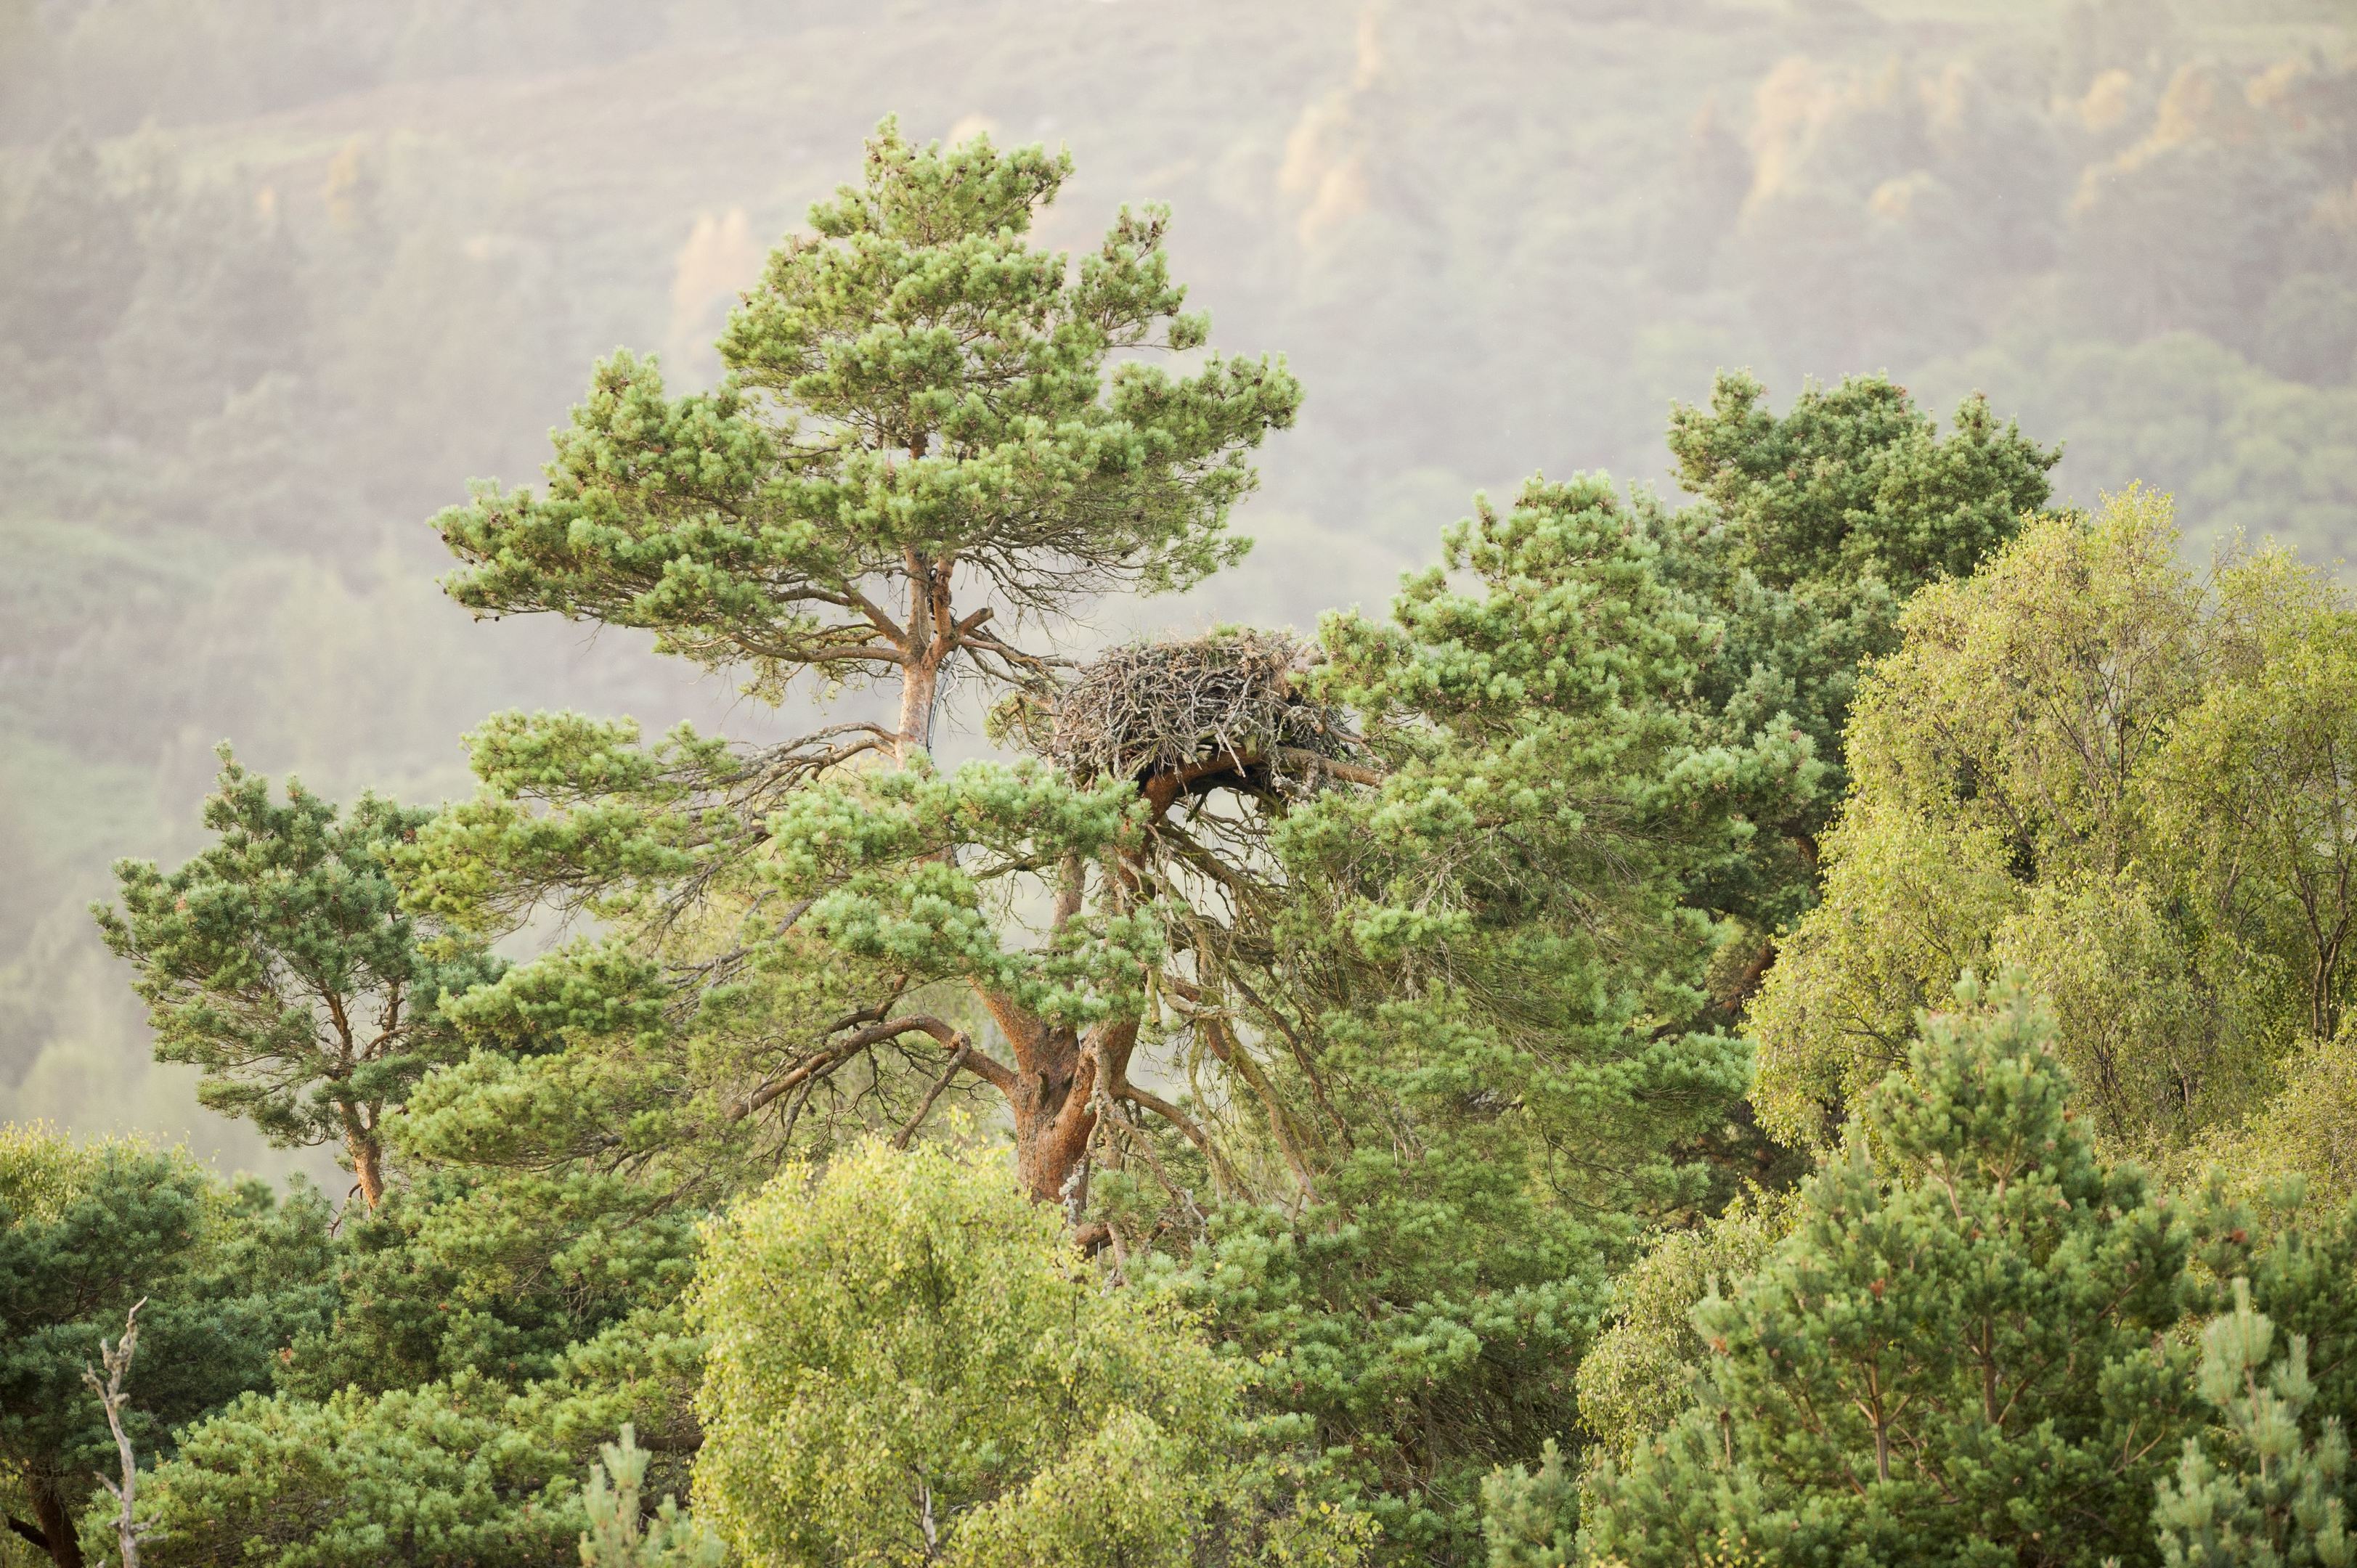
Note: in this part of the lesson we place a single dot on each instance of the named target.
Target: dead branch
(925, 1107)
(116, 1358)
(825, 1059)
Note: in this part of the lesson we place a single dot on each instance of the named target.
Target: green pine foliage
(500, 1277)
(1530, 1519)
(1425, 1316)
(1812, 529)
(229, 1275)
(922, 430)
(473, 1344)
(1853, 483)
(1480, 1003)
(2296, 1246)
(279, 962)
(1519, 878)
(619, 1536)
(2280, 1498)
(1514, 956)
(439, 1476)
(1958, 1356)
(934, 435)
(466, 1469)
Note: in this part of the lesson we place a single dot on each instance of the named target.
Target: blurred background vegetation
(277, 277)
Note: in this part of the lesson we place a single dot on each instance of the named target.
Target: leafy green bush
(909, 1362)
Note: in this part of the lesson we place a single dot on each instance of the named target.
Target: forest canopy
(1799, 1017)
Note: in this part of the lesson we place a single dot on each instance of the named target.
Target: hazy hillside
(276, 279)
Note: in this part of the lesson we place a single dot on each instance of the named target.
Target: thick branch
(1029, 1038)
(1186, 1124)
(1318, 762)
(1163, 789)
(883, 623)
(1070, 887)
(994, 1073)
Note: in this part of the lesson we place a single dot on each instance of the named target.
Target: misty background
(277, 279)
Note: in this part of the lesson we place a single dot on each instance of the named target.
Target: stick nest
(1150, 707)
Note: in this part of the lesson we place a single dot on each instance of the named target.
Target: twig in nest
(1161, 708)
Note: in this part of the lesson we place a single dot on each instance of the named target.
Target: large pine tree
(936, 442)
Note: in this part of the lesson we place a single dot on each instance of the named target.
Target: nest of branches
(1227, 704)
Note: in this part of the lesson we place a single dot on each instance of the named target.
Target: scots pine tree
(2296, 1247)
(1810, 532)
(444, 1474)
(502, 1275)
(622, 1533)
(1609, 735)
(279, 962)
(931, 431)
(2280, 1496)
(475, 1467)
(1478, 1002)
(936, 442)
(1958, 1356)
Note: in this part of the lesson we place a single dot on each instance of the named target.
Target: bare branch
(1186, 1124)
(826, 1059)
(116, 1358)
(925, 1107)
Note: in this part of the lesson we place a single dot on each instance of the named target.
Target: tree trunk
(367, 1165)
(1052, 1124)
(56, 1520)
(1055, 1102)
(918, 683)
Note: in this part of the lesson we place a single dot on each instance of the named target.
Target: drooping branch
(1186, 1126)
(1230, 1053)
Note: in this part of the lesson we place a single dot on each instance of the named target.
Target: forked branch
(116, 1358)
